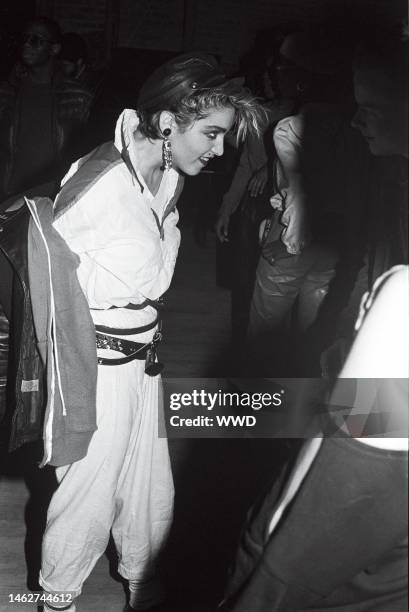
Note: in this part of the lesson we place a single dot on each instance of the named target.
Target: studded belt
(131, 350)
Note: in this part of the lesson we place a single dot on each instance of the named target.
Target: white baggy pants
(124, 485)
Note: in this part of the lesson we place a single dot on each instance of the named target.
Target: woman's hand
(296, 234)
(222, 227)
(258, 182)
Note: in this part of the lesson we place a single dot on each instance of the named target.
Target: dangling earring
(166, 150)
(301, 88)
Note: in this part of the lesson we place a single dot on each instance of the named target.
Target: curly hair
(191, 87)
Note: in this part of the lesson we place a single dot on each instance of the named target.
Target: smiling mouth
(204, 160)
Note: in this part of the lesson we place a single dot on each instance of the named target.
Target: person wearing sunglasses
(41, 115)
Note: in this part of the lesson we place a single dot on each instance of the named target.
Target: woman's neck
(149, 161)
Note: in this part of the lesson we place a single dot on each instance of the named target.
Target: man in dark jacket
(41, 116)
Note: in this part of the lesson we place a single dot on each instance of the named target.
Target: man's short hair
(50, 25)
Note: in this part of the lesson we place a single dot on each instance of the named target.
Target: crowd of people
(336, 235)
(88, 245)
(331, 218)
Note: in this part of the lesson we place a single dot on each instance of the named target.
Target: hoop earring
(166, 150)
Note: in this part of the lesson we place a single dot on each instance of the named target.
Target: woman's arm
(288, 145)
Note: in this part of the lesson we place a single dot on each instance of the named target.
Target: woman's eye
(212, 135)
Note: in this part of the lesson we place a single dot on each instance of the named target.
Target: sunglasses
(35, 40)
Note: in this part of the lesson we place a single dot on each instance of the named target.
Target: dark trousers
(287, 297)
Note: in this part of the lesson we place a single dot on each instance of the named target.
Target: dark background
(135, 35)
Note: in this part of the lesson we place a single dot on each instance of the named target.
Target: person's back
(316, 152)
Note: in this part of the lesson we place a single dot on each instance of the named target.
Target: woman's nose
(218, 148)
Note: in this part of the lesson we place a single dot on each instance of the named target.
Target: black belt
(131, 350)
(127, 331)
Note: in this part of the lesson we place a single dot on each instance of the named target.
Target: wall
(76, 15)
(224, 27)
(152, 24)
(227, 27)
(90, 18)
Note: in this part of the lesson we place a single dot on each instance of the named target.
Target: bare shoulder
(389, 444)
(389, 297)
(395, 282)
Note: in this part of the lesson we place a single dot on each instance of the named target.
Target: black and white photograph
(204, 305)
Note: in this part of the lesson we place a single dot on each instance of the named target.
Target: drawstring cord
(52, 331)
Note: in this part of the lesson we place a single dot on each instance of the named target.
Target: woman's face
(194, 146)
